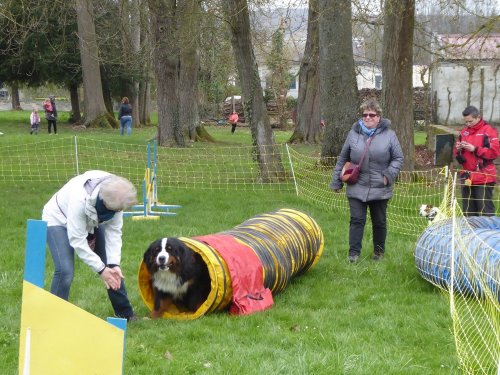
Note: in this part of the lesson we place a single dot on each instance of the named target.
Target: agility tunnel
(476, 262)
(249, 262)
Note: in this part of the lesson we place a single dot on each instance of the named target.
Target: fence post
(453, 245)
(291, 167)
(76, 157)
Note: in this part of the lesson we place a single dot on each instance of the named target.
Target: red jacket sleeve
(493, 151)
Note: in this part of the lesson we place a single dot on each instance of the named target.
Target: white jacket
(73, 207)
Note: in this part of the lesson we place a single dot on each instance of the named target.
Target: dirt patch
(424, 158)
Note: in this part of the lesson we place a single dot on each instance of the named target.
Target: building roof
(469, 47)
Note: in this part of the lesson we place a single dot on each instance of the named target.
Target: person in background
(49, 106)
(86, 217)
(476, 149)
(233, 119)
(125, 116)
(34, 121)
(373, 189)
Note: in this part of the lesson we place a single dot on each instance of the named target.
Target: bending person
(86, 217)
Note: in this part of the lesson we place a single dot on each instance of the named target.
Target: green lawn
(338, 318)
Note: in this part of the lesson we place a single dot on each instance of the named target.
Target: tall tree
(166, 65)
(130, 35)
(397, 72)
(216, 63)
(144, 90)
(268, 156)
(308, 117)
(189, 21)
(339, 93)
(278, 64)
(96, 114)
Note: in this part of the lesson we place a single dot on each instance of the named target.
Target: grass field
(338, 318)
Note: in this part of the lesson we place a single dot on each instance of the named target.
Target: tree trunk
(107, 96)
(144, 100)
(130, 36)
(76, 115)
(307, 127)
(166, 66)
(96, 114)
(135, 41)
(339, 93)
(397, 72)
(201, 134)
(189, 21)
(268, 156)
(14, 96)
(144, 89)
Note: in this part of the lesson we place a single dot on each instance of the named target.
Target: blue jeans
(63, 256)
(126, 122)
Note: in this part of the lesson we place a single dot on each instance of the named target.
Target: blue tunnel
(476, 257)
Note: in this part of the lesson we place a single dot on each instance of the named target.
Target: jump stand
(150, 209)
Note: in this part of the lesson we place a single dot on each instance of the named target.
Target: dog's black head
(166, 254)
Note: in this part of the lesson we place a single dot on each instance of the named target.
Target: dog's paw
(155, 314)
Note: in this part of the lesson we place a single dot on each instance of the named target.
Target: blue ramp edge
(34, 262)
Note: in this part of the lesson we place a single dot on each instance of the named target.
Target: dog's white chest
(169, 282)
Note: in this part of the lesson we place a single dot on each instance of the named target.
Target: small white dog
(430, 212)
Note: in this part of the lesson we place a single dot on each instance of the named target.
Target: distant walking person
(125, 116)
(50, 109)
(476, 149)
(34, 121)
(233, 119)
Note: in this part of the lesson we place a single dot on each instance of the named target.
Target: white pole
(291, 166)
(453, 250)
(76, 157)
(27, 352)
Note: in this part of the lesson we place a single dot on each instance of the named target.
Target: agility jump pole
(150, 209)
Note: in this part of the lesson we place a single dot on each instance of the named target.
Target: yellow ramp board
(64, 339)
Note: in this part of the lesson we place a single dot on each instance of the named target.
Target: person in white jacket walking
(86, 217)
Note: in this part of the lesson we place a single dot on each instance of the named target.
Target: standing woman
(379, 170)
(50, 109)
(125, 116)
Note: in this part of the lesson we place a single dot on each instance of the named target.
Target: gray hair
(371, 104)
(118, 193)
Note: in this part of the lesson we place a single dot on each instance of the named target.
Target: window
(378, 81)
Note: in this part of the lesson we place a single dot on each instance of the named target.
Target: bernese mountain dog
(179, 276)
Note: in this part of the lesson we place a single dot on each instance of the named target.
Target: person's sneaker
(353, 258)
(130, 319)
(133, 318)
(377, 256)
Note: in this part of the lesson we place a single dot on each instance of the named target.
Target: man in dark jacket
(476, 149)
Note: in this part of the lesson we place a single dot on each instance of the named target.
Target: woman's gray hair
(118, 193)
(371, 104)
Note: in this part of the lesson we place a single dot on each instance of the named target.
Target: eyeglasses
(371, 115)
